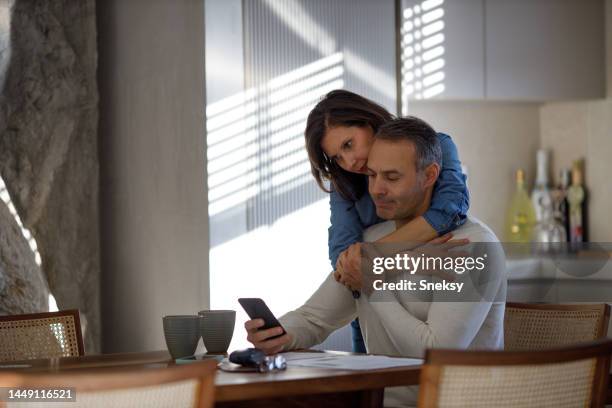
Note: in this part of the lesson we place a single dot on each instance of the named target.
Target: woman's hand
(348, 267)
(261, 338)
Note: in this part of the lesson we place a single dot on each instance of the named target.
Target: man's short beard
(419, 194)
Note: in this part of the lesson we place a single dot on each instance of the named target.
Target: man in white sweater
(403, 165)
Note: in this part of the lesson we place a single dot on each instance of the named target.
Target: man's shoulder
(476, 231)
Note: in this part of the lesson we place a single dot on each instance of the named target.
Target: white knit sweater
(405, 327)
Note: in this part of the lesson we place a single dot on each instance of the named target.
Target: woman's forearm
(417, 230)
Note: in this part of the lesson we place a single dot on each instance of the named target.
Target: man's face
(394, 184)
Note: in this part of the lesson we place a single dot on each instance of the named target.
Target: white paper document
(347, 362)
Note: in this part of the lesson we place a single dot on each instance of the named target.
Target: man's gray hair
(417, 131)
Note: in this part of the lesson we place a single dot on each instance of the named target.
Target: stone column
(48, 143)
(23, 287)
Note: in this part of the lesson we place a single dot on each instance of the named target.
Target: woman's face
(349, 146)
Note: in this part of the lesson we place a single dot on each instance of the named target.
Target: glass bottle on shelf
(541, 195)
(549, 233)
(575, 197)
(520, 218)
(560, 204)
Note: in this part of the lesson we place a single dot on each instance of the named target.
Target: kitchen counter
(559, 279)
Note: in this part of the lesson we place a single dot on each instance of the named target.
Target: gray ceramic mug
(217, 329)
(182, 333)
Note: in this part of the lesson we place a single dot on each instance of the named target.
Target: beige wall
(575, 130)
(153, 176)
(494, 139)
(609, 47)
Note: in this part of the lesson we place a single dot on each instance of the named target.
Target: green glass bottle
(520, 219)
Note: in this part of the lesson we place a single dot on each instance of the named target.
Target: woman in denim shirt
(345, 123)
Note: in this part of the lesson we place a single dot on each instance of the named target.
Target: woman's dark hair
(340, 108)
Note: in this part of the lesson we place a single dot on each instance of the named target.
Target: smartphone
(257, 309)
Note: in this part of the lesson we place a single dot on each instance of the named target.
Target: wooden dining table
(293, 387)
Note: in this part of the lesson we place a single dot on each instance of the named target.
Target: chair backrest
(574, 376)
(541, 326)
(180, 386)
(41, 335)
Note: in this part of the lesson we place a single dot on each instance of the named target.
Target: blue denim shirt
(448, 210)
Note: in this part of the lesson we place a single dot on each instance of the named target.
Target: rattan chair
(574, 376)
(179, 386)
(542, 326)
(42, 335)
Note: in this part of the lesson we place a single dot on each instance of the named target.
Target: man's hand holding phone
(263, 330)
(270, 341)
